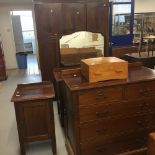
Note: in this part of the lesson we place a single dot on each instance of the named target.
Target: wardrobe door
(48, 18)
(97, 17)
(73, 17)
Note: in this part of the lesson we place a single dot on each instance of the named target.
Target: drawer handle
(148, 90)
(101, 95)
(141, 140)
(99, 131)
(141, 123)
(144, 107)
(145, 92)
(101, 114)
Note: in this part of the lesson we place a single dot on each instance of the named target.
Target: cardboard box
(104, 68)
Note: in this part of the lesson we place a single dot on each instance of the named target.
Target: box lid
(101, 60)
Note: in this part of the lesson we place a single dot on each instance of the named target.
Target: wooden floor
(32, 65)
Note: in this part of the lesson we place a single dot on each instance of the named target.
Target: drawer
(122, 144)
(140, 90)
(150, 102)
(100, 95)
(111, 128)
(149, 122)
(115, 109)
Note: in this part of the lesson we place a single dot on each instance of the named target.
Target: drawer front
(149, 122)
(116, 109)
(150, 103)
(140, 90)
(123, 144)
(100, 95)
(111, 128)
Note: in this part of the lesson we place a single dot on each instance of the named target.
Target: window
(121, 19)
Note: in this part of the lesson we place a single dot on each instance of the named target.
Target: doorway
(25, 39)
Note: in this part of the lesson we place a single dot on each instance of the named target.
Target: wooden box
(104, 68)
(151, 144)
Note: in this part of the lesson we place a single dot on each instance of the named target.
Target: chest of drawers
(110, 117)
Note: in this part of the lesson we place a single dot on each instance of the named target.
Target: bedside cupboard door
(35, 120)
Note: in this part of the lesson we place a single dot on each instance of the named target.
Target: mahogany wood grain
(49, 19)
(97, 96)
(48, 59)
(93, 11)
(115, 126)
(55, 18)
(111, 128)
(140, 91)
(124, 143)
(75, 81)
(34, 113)
(73, 18)
(105, 109)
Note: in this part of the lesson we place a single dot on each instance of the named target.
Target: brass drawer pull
(145, 92)
(148, 90)
(142, 93)
(101, 114)
(100, 96)
(144, 106)
(100, 130)
(143, 123)
(139, 122)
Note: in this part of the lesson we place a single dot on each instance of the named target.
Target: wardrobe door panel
(97, 17)
(48, 18)
(73, 17)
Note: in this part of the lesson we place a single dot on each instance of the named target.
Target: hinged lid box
(104, 68)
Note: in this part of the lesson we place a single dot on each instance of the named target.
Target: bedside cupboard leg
(53, 146)
(52, 132)
(22, 149)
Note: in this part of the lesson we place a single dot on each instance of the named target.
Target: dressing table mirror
(80, 45)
